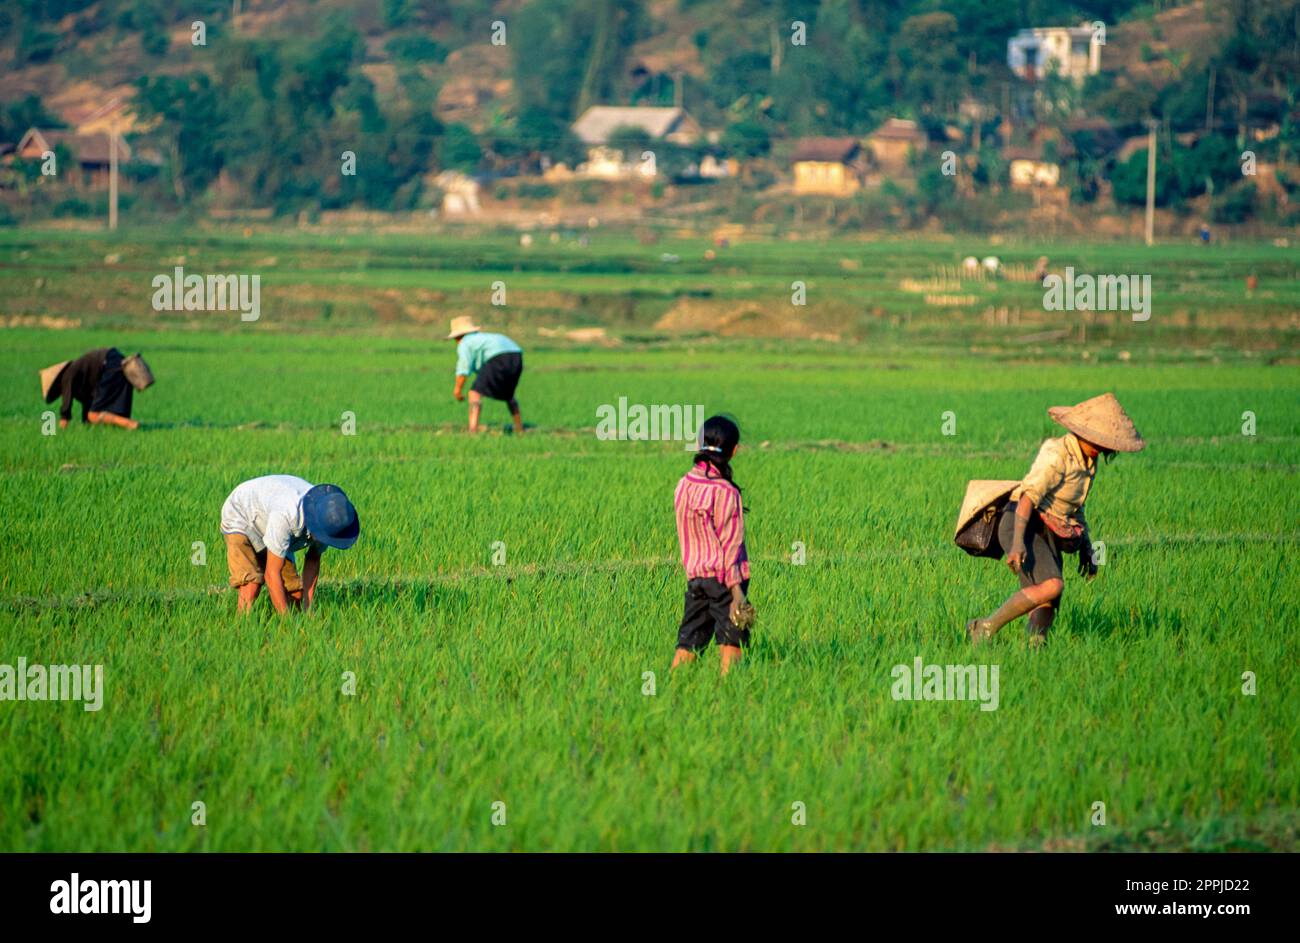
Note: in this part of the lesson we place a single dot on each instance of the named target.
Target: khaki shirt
(1059, 480)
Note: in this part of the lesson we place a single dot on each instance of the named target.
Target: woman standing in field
(711, 531)
(1044, 516)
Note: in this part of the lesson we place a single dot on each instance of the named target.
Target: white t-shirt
(268, 511)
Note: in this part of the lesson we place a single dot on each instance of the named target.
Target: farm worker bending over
(102, 381)
(266, 520)
(498, 362)
(1044, 518)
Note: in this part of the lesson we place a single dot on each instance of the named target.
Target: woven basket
(137, 372)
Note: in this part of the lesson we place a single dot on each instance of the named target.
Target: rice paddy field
(510, 597)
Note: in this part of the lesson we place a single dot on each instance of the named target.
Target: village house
(460, 193)
(895, 142)
(1073, 52)
(716, 168)
(827, 165)
(597, 125)
(91, 153)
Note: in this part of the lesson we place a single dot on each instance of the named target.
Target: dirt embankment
(749, 318)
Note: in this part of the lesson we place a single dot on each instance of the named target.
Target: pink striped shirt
(711, 527)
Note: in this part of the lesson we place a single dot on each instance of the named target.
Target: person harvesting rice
(102, 381)
(497, 363)
(711, 531)
(1044, 517)
(266, 520)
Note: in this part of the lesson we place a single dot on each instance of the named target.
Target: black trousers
(113, 393)
(708, 614)
(499, 376)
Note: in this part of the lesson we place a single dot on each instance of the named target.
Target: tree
(537, 132)
(740, 75)
(927, 52)
(1129, 181)
(1235, 206)
(747, 139)
(1213, 163)
(574, 54)
(29, 112)
(191, 126)
(459, 149)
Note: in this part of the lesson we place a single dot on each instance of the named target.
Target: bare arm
(310, 570)
(275, 582)
(1016, 552)
(731, 537)
(459, 392)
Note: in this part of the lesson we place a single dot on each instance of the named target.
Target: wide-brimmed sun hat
(50, 376)
(330, 517)
(461, 326)
(1102, 421)
(980, 493)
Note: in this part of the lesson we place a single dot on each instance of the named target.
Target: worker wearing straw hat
(497, 363)
(1044, 516)
(102, 381)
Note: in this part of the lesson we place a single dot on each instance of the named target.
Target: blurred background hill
(847, 114)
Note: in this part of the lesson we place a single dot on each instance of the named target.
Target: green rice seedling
(508, 597)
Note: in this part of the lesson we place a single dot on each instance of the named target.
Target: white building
(1073, 52)
(459, 193)
(597, 126)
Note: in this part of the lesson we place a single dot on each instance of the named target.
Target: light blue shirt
(476, 349)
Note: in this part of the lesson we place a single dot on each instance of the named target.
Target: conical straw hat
(461, 326)
(1102, 421)
(48, 376)
(980, 493)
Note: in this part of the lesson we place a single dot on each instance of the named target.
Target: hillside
(492, 87)
(75, 54)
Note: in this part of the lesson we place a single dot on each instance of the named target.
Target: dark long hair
(719, 437)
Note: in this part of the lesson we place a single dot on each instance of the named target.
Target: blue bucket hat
(330, 517)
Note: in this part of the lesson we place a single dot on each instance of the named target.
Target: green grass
(523, 683)
(859, 289)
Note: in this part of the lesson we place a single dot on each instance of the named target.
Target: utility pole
(112, 174)
(1151, 181)
(1006, 114)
